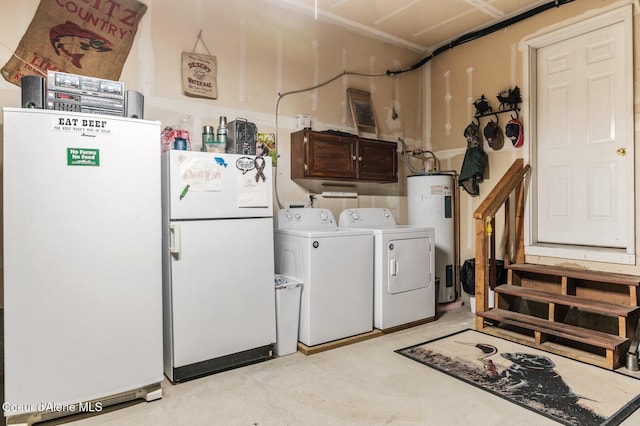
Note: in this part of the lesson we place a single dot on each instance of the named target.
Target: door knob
(621, 152)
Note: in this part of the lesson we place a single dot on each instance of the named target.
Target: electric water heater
(430, 204)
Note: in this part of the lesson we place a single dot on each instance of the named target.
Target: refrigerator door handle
(174, 245)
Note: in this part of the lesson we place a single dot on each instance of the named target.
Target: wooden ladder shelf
(585, 315)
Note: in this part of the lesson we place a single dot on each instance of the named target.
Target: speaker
(34, 91)
(134, 104)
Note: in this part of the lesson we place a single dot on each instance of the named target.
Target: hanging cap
(493, 134)
(513, 130)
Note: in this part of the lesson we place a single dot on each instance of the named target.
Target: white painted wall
(262, 49)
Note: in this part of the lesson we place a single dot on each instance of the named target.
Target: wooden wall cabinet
(330, 157)
(377, 160)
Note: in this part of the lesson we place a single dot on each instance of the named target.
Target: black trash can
(468, 275)
(468, 280)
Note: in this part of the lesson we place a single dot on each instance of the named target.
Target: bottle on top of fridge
(207, 137)
(209, 143)
(222, 130)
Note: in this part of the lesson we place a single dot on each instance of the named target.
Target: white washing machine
(335, 266)
(404, 267)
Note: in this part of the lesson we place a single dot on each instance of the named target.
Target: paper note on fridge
(250, 192)
(201, 174)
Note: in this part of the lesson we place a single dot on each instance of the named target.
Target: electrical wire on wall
(292, 92)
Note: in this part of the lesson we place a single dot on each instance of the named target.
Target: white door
(203, 185)
(223, 296)
(82, 257)
(408, 261)
(584, 151)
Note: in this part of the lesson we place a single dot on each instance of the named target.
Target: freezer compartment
(205, 185)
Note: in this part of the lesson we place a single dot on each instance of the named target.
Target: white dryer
(404, 267)
(335, 266)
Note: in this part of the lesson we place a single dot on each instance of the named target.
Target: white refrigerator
(82, 262)
(218, 269)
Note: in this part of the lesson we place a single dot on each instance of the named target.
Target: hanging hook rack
(509, 101)
(495, 114)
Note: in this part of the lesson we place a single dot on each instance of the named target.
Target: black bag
(468, 275)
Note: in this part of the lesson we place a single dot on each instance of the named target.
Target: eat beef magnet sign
(87, 127)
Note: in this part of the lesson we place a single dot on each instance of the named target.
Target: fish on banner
(87, 37)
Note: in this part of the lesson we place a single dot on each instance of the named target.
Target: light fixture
(338, 191)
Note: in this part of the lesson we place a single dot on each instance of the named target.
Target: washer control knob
(297, 216)
(355, 215)
(324, 216)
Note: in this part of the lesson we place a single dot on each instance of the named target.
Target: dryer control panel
(366, 218)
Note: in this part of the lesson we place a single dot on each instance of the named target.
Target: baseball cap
(493, 134)
(513, 130)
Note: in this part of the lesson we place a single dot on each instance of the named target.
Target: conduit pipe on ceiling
(483, 32)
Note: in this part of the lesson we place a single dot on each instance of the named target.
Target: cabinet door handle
(354, 158)
(359, 158)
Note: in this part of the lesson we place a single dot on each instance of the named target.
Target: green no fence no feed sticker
(83, 157)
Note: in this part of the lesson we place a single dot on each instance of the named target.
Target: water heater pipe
(415, 153)
(456, 229)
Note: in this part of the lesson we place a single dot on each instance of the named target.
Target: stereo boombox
(241, 137)
(78, 93)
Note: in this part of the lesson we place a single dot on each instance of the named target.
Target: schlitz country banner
(87, 37)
